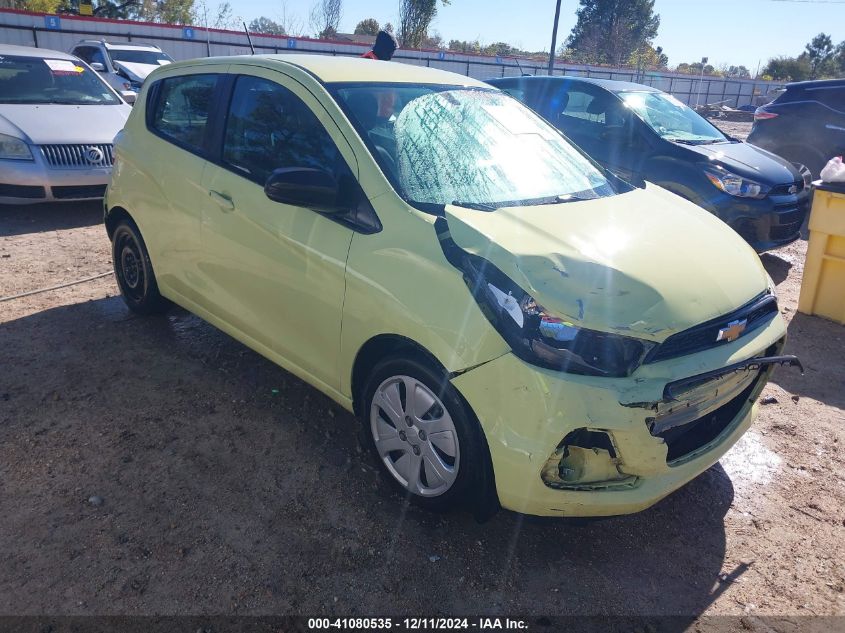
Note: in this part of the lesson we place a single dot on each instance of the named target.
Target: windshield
(41, 81)
(671, 119)
(473, 147)
(154, 58)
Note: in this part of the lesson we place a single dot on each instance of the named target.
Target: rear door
(276, 272)
(833, 135)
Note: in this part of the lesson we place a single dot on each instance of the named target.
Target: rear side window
(269, 128)
(182, 105)
(831, 97)
(90, 55)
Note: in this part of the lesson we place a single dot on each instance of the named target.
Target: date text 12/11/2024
(416, 624)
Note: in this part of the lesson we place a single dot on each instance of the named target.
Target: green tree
(736, 71)
(266, 26)
(838, 61)
(649, 57)
(695, 69)
(461, 46)
(610, 31)
(415, 16)
(369, 26)
(819, 53)
(789, 68)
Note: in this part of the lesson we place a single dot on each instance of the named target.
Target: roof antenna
(249, 38)
(518, 65)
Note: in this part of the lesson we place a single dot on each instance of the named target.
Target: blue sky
(727, 31)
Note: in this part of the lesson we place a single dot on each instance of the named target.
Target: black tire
(474, 486)
(134, 271)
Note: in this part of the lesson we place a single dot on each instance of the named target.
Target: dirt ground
(156, 466)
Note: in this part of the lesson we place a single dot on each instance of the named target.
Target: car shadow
(225, 483)
(48, 216)
(819, 344)
(777, 267)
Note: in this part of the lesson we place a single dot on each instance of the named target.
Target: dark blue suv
(640, 133)
(806, 124)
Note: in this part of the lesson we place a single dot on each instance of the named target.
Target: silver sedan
(58, 121)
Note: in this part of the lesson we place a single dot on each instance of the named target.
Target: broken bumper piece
(568, 445)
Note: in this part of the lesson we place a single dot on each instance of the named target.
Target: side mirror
(129, 96)
(303, 187)
(98, 67)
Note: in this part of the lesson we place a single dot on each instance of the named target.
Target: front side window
(671, 119)
(269, 128)
(582, 105)
(34, 80)
(444, 144)
(181, 109)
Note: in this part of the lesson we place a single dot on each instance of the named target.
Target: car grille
(686, 439)
(783, 190)
(701, 337)
(81, 156)
(75, 192)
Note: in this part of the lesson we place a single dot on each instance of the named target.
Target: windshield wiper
(477, 206)
(702, 141)
(573, 198)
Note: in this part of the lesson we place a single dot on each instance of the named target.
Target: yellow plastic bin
(823, 286)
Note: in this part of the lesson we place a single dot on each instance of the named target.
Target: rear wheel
(134, 271)
(425, 437)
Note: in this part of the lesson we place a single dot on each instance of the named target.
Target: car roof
(29, 51)
(818, 83)
(612, 85)
(330, 69)
(119, 45)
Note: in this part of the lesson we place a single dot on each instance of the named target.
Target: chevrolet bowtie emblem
(732, 331)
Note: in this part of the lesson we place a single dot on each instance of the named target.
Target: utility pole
(554, 40)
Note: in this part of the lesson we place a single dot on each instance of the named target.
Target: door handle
(224, 201)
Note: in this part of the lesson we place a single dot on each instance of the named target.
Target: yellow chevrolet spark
(513, 325)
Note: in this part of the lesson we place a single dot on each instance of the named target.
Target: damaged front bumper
(571, 445)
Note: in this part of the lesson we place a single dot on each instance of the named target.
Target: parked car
(640, 132)
(124, 65)
(58, 120)
(511, 324)
(805, 124)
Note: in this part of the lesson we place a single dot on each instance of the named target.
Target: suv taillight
(764, 115)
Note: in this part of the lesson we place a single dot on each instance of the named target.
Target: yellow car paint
(309, 294)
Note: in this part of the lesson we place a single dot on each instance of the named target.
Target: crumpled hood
(135, 71)
(748, 160)
(645, 263)
(55, 123)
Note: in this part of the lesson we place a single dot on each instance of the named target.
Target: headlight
(543, 339)
(735, 185)
(12, 148)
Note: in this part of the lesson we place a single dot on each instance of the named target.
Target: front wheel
(425, 437)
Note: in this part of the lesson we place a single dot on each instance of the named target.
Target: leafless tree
(325, 17)
(290, 22)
